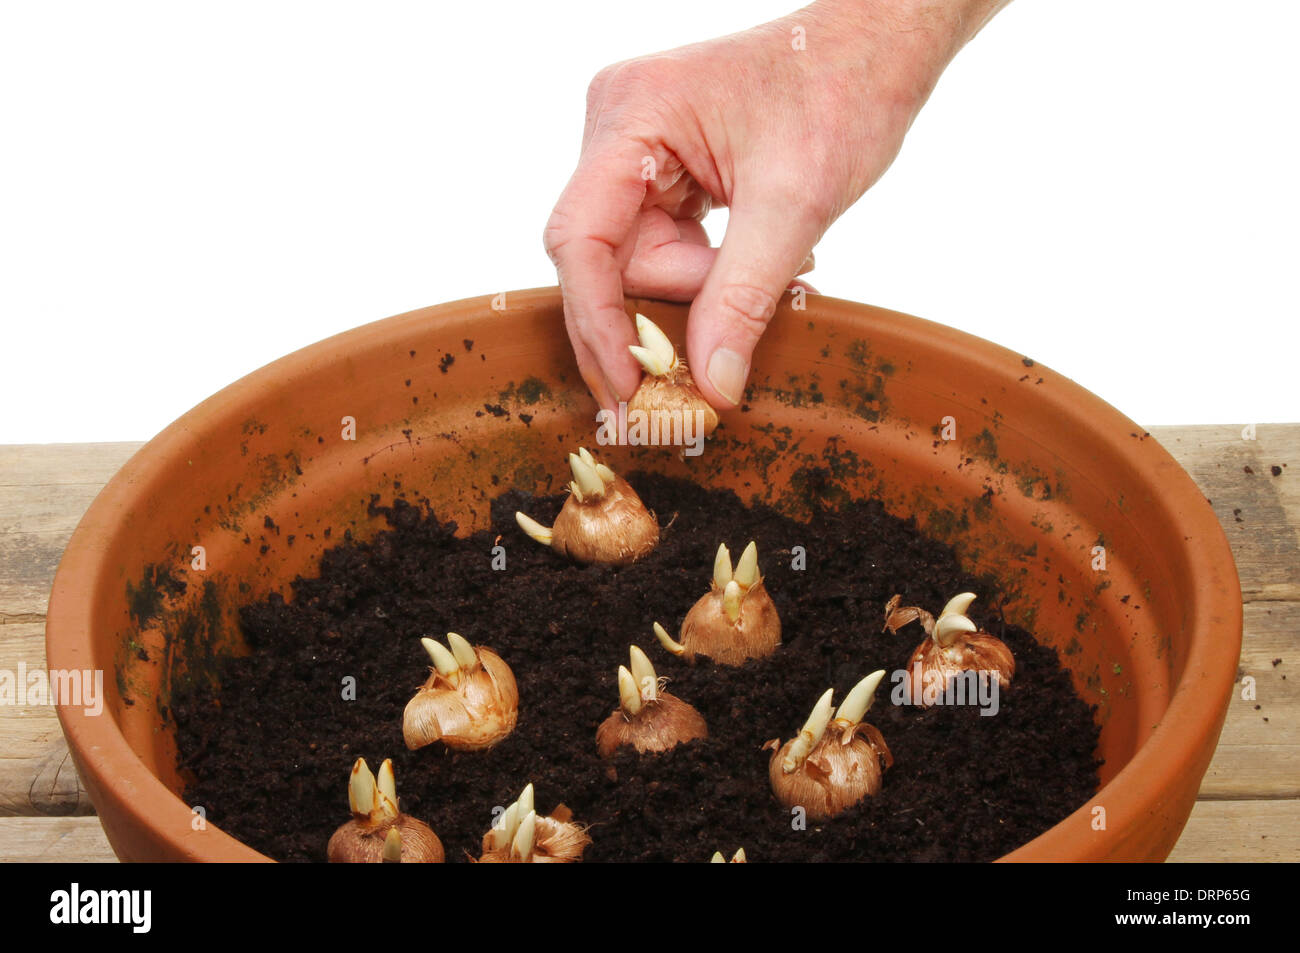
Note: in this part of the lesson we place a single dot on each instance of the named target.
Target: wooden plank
(45, 489)
(37, 776)
(1260, 512)
(79, 840)
(38, 464)
(27, 565)
(1237, 831)
(48, 508)
(1259, 750)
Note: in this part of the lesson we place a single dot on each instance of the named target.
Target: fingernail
(727, 373)
(808, 265)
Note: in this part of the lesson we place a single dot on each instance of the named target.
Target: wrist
(914, 40)
(932, 30)
(942, 26)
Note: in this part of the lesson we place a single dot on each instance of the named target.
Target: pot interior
(991, 453)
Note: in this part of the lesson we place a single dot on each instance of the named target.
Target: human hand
(787, 124)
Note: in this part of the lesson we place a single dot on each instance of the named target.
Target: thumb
(765, 245)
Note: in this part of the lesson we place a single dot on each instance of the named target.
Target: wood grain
(1259, 750)
(1235, 831)
(54, 840)
(45, 489)
(1259, 512)
(36, 773)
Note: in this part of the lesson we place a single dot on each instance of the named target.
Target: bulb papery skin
(662, 723)
(472, 711)
(932, 665)
(674, 398)
(843, 769)
(361, 841)
(708, 631)
(614, 530)
(557, 841)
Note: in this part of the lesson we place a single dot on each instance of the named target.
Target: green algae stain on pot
(798, 394)
(190, 625)
(846, 464)
(864, 393)
(777, 443)
(276, 473)
(985, 446)
(530, 392)
(131, 654)
(763, 457)
(144, 599)
(866, 401)
(981, 507)
(1102, 709)
(948, 523)
(198, 637)
(859, 352)
(1061, 489)
(1028, 486)
(817, 490)
(820, 478)
(533, 473)
(1035, 484)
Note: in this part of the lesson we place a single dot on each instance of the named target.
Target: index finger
(588, 231)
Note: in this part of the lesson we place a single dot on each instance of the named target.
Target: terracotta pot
(1039, 473)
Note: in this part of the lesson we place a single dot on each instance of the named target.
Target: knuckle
(807, 195)
(807, 192)
(556, 234)
(596, 88)
(820, 210)
(621, 80)
(629, 98)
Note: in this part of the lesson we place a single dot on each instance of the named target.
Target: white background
(188, 191)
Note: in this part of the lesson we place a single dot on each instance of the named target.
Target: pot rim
(114, 773)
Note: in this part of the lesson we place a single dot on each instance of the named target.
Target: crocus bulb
(667, 390)
(954, 645)
(603, 520)
(378, 832)
(522, 836)
(835, 760)
(647, 718)
(734, 621)
(470, 701)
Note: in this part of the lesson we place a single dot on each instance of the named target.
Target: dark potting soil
(271, 752)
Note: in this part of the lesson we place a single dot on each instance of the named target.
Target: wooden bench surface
(1249, 803)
